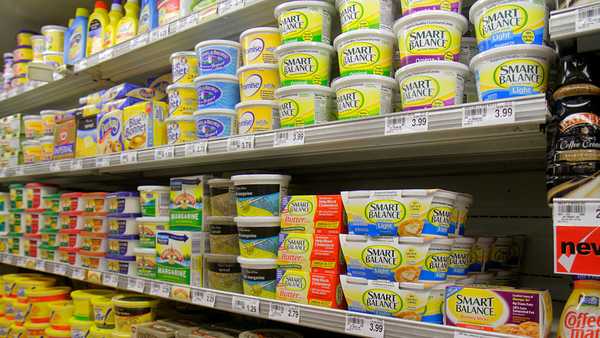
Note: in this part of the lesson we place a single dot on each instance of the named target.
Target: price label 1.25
(366, 327)
(245, 305)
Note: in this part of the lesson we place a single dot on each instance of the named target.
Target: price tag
(102, 162)
(106, 54)
(30, 263)
(40, 265)
(588, 18)
(245, 305)
(204, 298)
(129, 157)
(240, 143)
(287, 138)
(188, 22)
(20, 261)
(110, 279)
(138, 41)
(159, 33)
(79, 273)
(196, 149)
(285, 313)
(228, 6)
(60, 269)
(406, 123)
(164, 153)
(3, 171)
(160, 289)
(76, 164)
(469, 335)
(50, 267)
(366, 327)
(19, 170)
(494, 113)
(81, 65)
(55, 166)
(136, 284)
(501, 112)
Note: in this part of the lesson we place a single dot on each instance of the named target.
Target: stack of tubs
(61, 312)
(23, 55)
(183, 99)
(9, 299)
(70, 223)
(92, 243)
(4, 213)
(49, 226)
(123, 210)
(154, 209)
(33, 201)
(90, 307)
(54, 37)
(16, 220)
(258, 203)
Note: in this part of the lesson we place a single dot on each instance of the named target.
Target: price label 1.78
(240, 143)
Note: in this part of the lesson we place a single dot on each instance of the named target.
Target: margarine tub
(35, 330)
(304, 63)
(47, 148)
(257, 116)
(384, 298)
(305, 21)
(38, 45)
(24, 285)
(224, 273)
(434, 312)
(463, 204)
(54, 333)
(357, 14)
(82, 306)
(259, 277)
(123, 202)
(258, 45)
(363, 95)
(413, 6)
(104, 315)
(147, 229)
(258, 236)
(54, 59)
(430, 84)
(154, 200)
(501, 23)
(41, 299)
(100, 332)
(181, 129)
(365, 51)
(218, 57)
(305, 105)
(430, 35)
(33, 126)
(23, 53)
(512, 71)
(20, 68)
(184, 67)
(133, 309)
(80, 328)
(49, 118)
(213, 123)
(60, 312)
(55, 37)
(258, 82)
(260, 194)
(217, 91)
(32, 151)
(183, 99)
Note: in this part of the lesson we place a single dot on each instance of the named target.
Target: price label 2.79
(285, 313)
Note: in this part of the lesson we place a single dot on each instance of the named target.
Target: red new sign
(577, 250)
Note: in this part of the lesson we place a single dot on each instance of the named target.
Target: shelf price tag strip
(160, 289)
(76, 164)
(240, 143)
(110, 279)
(138, 41)
(406, 123)
(135, 284)
(204, 298)
(588, 18)
(366, 327)
(288, 313)
(287, 138)
(469, 335)
(245, 305)
(164, 153)
(129, 157)
(488, 114)
(196, 149)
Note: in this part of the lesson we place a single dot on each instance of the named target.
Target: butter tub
(257, 116)
(365, 51)
(357, 14)
(217, 91)
(364, 95)
(218, 57)
(184, 67)
(181, 129)
(183, 99)
(305, 21)
(258, 82)
(512, 72)
(258, 45)
(305, 105)
(305, 63)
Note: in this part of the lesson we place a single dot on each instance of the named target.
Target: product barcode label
(138, 41)
(572, 208)
(406, 123)
(204, 298)
(287, 138)
(105, 55)
(240, 143)
(285, 312)
(19, 170)
(367, 327)
(159, 33)
(30, 263)
(196, 149)
(110, 279)
(187, 22)
(54, 166)
(76, 164)
(60, 269)
(81, 65)
(164, 153)
(576, 212)
(129, 157)
(160, 289)
(40, 265)
(489, 114)
(79, 273)
(230, 5)
(102, 162)
(135, 284)
(588, 18)
(3, 172)
(245, 305)
(473, 115)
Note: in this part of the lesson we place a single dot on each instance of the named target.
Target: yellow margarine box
(144, 126)
(87, 137)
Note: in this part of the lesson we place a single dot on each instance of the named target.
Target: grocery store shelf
(576, 27)
(446, 133)
(145, 55)
(304, 315)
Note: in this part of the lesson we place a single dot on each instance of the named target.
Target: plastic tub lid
(303, 88)
(432, 65)
(176, 86)
(154, 187)
(180, 118)
(262, 221)
(253, 178)
(288, 6)
(478, 6)
(361, 79)
(134, 301)
(32, 117)
(215, 111)
(144, 251)
(51, 112)
(414, 240)
(182, 53)
(219, 258)
(465, 198)
(53, 27)
(244, 104)
(222, 219)
(160, 219)
(443, 241)
(365, 32)
(267, 262)
(267, 66)
(218, 42)
(286, 47)
(216, 77)
(259, 30)
(48, 53)
(512, 52)
(431, 14)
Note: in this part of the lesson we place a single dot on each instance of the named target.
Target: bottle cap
(100, 4)
(82, 12)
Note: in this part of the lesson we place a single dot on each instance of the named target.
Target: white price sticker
(588, 18)
(240, 143)
(110, 279)
(60, 269)
(469, 335)
(160, 289)
(136, 284)
(159, 33)
(106, 54)
(79, 273)
(366, 327)
(489, 114)
(204, 298)
(229, 6)
(81, 65)
(406, 123)
(285, 313)
(196, 149)
(76, 164)
(187, 22)
(19, 170)
(20, 261)
(3, 172)
(164, 153)
(40, 265)
(245, 305)
(129, 157)
(287, 138)
(102, 162)
(55, 166)
(138, 41)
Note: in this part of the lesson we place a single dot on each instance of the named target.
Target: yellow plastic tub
(60, 313)
(258, 82)
(41, 299)
(98, 332)
(104, 316)
(54, 333)
(4, 326)
(16, 331)
(8, 282)
(258, 45)
(80, 328)
(21, 312)
(82, 302)
(133, 309)
(35, 330)
(24, 285)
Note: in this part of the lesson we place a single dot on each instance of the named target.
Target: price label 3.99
(366, 327)
(406, 123)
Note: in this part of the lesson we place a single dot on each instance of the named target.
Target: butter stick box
(317, 253)
(314, 288)
(318, 214)
(179, 257)
(144, 126)
(188, 203)
(503, 310)
(87, 136)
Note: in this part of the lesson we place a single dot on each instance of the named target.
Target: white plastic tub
(258, 236)
(305, 21)
(123, 224)
(213, 123)
(123, 202)
(305, 105)
(123, 245)
(304, 63)
(259, 277)
(218, 57)
(257, 116)
(260, 194)
(154, 200)
(365, 51)
(364, 96)
(357, 14)
(431, 84)
(463, 203)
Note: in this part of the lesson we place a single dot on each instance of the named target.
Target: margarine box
(503, 310)
(318, 253)
(384, 298)
(92, 98)
(188, 203)
(305, 287)
(397, 213)
(87, 136)
(12, 125)
(321, 214)
(127, 90)
(179, 256)
(90, 110)
(143, 125)
(159, 84)
(110, 128)
(65, 137)
(119, 104)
